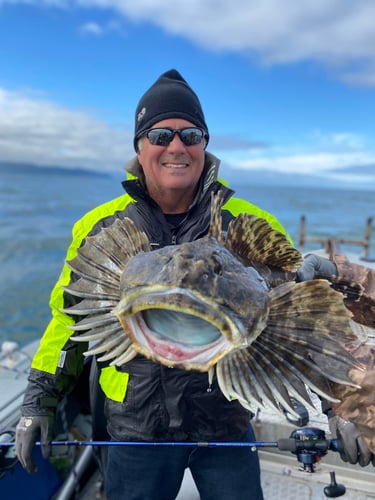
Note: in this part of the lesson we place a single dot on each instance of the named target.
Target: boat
(74, 470)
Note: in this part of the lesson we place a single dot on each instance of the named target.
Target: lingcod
(226, 302)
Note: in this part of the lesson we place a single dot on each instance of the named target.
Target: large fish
(227, 301)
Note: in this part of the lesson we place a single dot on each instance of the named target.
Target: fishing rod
(306, 443)
(286, 444)
(309, 444)
(74, 442)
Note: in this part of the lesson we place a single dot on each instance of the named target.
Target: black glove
(351, 445)
(315, 266)
(28, 431)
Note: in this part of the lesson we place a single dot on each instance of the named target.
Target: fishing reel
(309, 444)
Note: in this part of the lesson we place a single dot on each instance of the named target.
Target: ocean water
(40, 206)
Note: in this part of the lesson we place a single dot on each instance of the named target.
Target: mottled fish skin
(202, 279)
(357, 405)
(267, 336)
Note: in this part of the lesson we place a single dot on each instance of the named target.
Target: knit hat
(169, 97)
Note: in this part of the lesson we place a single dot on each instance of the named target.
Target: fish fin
(96, 334)
(99, 264)
(86, 290)
(104, 256)
(216, 224)
(303, 345)
(110, 343)
(104, 329)
(240, 376)
(88, 306)
(249, 375)
(93, 321)
(107, 346)
(253, 238)
(309, 322)
(127, 355)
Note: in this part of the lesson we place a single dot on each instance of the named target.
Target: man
(169, 198)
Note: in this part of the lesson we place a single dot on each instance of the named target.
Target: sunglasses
(190, 136)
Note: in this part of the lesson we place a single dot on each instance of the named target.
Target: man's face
(174, 167)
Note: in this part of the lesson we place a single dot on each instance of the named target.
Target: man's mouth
(175, 165)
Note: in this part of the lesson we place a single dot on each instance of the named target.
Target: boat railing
(331, 245)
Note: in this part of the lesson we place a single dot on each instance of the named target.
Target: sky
(287, 87)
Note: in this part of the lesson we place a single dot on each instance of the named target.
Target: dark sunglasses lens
(191, 136)
(160, 136)
(163, 136)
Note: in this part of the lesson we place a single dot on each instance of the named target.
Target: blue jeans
(156, 472)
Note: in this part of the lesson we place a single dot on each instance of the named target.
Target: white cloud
(40, 132)
(310, 164)
(96, 29)
(37, 131)
(92, 28)
(360, 74)
(338, 155)
(342, 141)
(336, 33)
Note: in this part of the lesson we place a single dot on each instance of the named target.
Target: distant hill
(27, 169)
(355, 178)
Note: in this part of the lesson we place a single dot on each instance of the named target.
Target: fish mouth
(179, 328)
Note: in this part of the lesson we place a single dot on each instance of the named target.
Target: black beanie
(169, 97)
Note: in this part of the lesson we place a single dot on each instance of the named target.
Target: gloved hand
(28, 431)
(315, 266)
(351, 446)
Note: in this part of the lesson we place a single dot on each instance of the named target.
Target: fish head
(189, 305)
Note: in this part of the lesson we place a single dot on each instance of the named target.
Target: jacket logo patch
(62, 357)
